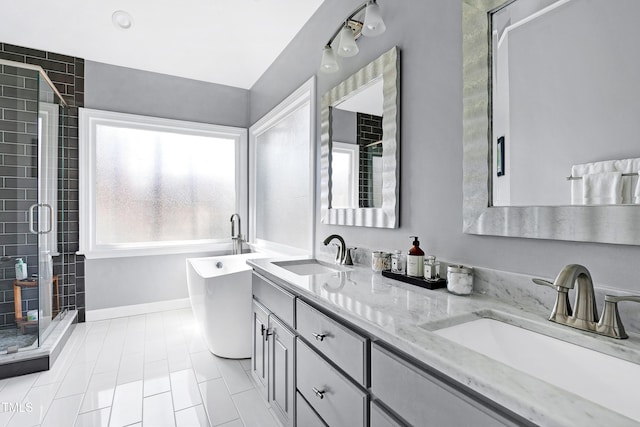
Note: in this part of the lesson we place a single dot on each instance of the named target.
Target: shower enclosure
(31, 195)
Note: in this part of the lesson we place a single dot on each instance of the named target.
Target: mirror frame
(386, 66)
(603, 224)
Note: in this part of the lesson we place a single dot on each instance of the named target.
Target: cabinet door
(281, 370)
(259, 355)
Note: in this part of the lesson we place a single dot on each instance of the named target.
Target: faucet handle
(562, 306)
(610, 323)
(543, 282)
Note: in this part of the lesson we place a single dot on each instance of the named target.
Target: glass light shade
(329, 63)
(347, 46)
(373, 23)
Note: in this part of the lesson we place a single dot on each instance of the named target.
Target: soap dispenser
(415, 259)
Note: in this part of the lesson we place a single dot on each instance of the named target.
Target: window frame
(89, 119)
(305, 94)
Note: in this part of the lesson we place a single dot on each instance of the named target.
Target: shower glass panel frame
(33, 184)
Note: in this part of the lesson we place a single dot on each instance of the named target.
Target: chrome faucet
(343, 256)
(236, 237)
(585, 316)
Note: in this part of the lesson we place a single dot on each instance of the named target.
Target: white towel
(630, 188)
(580, 170)
(604, 188)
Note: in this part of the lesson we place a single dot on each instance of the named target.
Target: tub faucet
(236, 237)
(585, 316)
(342, 256)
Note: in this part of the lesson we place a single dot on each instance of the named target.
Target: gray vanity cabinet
(422, 399)
(273, 349)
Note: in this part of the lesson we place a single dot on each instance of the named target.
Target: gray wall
(126, 90)
(126, 281)
(428, 33)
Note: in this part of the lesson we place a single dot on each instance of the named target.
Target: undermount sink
(308, 267)
(609, 381)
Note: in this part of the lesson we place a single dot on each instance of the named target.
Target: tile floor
(149, 370)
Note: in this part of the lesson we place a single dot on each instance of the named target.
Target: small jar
(397, 262)
(380, 261)
(459, 279)
(431, 268)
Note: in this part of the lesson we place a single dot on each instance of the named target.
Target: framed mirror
(360, 153)
(490, 119)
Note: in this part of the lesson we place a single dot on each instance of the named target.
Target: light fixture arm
(354, 13)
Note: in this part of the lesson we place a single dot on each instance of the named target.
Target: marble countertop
(404, 316)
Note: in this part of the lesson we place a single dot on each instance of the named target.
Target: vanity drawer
(422, 399)
(333, 396)
(344, 347)
(305, 415)
(277, 300)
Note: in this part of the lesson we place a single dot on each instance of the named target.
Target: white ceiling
(229, 42)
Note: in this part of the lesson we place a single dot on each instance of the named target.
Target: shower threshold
(29, 360)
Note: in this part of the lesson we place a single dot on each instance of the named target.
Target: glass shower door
(45, 222)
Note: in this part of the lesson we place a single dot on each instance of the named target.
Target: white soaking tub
(220, 295)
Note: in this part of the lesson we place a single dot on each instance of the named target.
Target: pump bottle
(415, 259)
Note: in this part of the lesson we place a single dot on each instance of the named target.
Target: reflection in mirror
(617, 224)
(359, 147)
(566, 103)
(356, 149)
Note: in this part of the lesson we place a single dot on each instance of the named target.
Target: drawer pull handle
(319, 393)
(266, 334)
(319, 337)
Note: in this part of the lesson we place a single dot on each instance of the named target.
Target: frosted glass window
(282, 181)
(154, 186)
(157, 186)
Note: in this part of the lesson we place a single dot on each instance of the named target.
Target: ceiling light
(329, 63)
(373, 23)
(349, 32)
(122, 20)
(347, 46)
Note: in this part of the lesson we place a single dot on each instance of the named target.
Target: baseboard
(133, 310)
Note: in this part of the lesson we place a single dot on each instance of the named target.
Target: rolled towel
(604, 188)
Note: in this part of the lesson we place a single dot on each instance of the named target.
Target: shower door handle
(32, 209)
(31, 215)
(50, 210)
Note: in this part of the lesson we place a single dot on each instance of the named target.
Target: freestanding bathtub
(220, 295)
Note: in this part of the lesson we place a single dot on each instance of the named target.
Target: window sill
(173, 249)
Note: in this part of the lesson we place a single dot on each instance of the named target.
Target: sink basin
(308, 267)
(609, 381)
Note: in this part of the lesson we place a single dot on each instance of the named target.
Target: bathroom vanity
(348, 347)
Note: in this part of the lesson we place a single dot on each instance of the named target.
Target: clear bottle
(21, 269)
(431, 268)
(397, 262)
(415, 259)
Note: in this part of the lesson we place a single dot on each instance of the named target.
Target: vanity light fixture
(349, 32)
